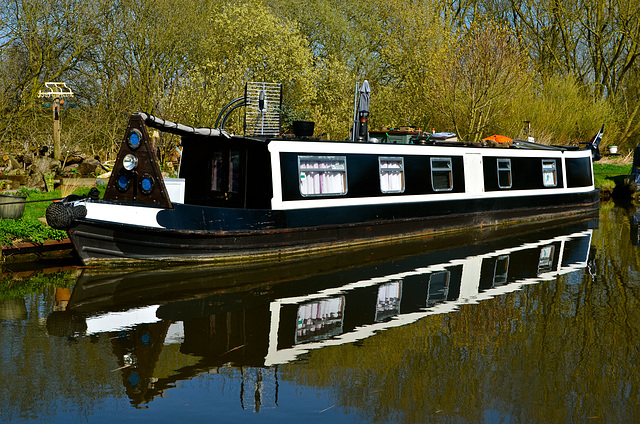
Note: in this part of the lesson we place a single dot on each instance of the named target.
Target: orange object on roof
(498, 139)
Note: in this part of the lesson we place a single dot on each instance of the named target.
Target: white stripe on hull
(143, 216)
(421, 198)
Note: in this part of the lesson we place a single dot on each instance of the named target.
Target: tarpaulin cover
(498, 139)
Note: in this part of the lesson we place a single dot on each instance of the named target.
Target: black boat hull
(293, 233)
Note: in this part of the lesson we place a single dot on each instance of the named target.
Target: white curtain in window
(322, 177)
(313, 314)
(391, 176)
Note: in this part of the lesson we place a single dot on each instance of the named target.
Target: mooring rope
(31, 201)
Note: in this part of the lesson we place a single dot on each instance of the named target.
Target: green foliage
(611, 169)
(333, 106)
(581, 114)
(607, 176)
(429, 63)
(11, 288)
(243, 42)
(410, 40)
(28, 230)
(478, 86)
(29, 227)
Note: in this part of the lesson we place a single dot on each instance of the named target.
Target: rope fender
(60, 215)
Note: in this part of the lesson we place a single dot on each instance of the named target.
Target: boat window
(391, 175)
(549, 176)
(217, 175)
(319, 320)
(225, 163)
(389, 296)
(322, 175)
(501, 271)
(504, 173)
(441, 177)
(234, 171)
(438, 287)
(545, 263)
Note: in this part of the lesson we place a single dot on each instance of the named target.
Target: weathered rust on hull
(519, 221)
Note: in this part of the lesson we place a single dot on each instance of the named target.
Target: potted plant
(298, 121)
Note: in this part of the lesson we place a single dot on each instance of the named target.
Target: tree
(411, 37)
(42, 41)
(244, 42)
(480, 81)
(594, 41)
(563, 111)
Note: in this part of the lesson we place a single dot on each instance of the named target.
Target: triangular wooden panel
(143, 184)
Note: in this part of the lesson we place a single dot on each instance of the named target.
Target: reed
(68, 186)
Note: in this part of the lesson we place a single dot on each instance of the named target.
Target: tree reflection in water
(527, 327)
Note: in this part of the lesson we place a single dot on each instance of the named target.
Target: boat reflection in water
(197, 320)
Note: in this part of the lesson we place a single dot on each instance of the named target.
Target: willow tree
(244, 42)
(411, 35)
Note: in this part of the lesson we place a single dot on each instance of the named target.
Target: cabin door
(227, 178)
(473, 173)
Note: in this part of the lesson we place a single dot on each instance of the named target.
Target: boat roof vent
(263, 102)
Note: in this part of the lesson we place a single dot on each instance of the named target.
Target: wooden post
(57, 130)
(56, 91)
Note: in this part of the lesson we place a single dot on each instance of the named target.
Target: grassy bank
(607, 176)
(30, 226)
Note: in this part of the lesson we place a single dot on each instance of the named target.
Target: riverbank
(609, 175)
(29, 238)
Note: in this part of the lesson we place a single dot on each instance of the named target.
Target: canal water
(533, 324)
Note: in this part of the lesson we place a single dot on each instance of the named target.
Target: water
(521, 325)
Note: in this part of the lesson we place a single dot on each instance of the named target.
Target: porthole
(147, 184)
(135, 139)
(123, 182)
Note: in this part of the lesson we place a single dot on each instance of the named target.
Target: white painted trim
(421, 198)
(474, 174)
(123, 214)
(276, 178)
(318, 147)
(308, 147)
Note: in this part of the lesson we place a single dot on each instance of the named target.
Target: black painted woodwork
(254, 189)
(363, 175)
(526, 173)
(300, 229)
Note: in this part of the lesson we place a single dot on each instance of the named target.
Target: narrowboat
(265, 195)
